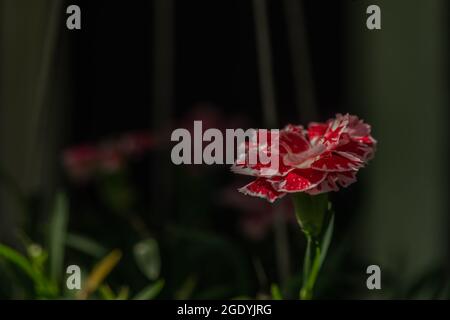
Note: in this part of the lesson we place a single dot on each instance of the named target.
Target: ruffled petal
(263, 189)
(293, 142)
(316, 130)
(327, 185)
(344, 179)
(356, 127)
(334, 131)
(356, 149)
(332, 161)
(244, 162)
(367, 140)
(261, 170)
(298, 180)
(294, 128)
(304, 159)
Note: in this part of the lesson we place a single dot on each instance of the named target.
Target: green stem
(316, 220)
(311, 270)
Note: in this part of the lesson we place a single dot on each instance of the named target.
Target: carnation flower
(316, 160)
(82, 162)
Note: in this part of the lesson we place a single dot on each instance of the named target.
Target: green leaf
(326, 240)
(37, 256)
(42, 286)
(86, 245)
(18, 260)
(146, 254)
(58, 229)
(276, 293)
(98, 274)
(106, 293)
(187, 288)
(123, 293)
(307, 260)
(151, 291)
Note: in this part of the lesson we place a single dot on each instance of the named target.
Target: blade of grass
(43, 288)
(276, 293)
(99, 273)
(151, 291)
(188, 287)
(123, 294)
(18, 260)
(106, 293)
(85, 245)
(58, 229)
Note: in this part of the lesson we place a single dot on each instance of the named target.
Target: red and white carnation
(316, 160)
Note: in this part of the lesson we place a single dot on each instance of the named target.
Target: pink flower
(317, 160)
(136, 143)
(81, 161)
(84, 161)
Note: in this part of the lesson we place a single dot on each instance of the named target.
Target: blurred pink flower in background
(82, 162)
(137, 143)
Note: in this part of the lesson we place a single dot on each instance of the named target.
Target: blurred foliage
(38, 272)
(198, 259)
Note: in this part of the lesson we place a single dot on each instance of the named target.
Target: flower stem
(316, 220)
(311, 271)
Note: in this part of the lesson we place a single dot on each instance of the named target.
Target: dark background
(215, 61)
(157, 65)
